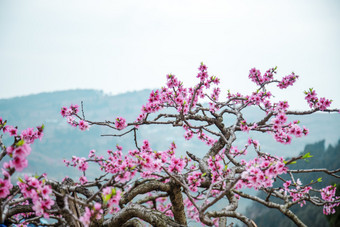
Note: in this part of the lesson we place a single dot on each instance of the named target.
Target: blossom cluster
(315, 102)
(194, 180)
(328, 194)
(17, 152)
(288, 81)
(82, 166)
(120, 123)
(261, 172)
(33, 189)
(89, 214)
(282, 131)
(280, 128)
(29, 135)
(124, 167)
(111, 197)
(299, 193)
(39, 192)
(192, 211)
(259, 98)
(189, 133)
(71, 114)
(255, 75)
(5, 187)
(218, 170)
(213, 105)
(177, 96)
(245, 127)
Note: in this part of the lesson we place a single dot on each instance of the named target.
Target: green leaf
(114, 191)
(20, 179)
(319, 179)
(106, 198)
(204, 174)
(307, 155)
(139, 157)
(20, 143)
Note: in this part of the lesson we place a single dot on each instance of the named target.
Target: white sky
(120, 46)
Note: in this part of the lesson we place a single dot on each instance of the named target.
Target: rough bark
(176, 199)
(214, 149)
(133, 223)
(143, 188)
(153, 217)
(234, 214)
(19, 209)
(222, 222)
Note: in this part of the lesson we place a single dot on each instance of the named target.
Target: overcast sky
(120, 46)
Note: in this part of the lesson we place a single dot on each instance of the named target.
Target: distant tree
(160, 188)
